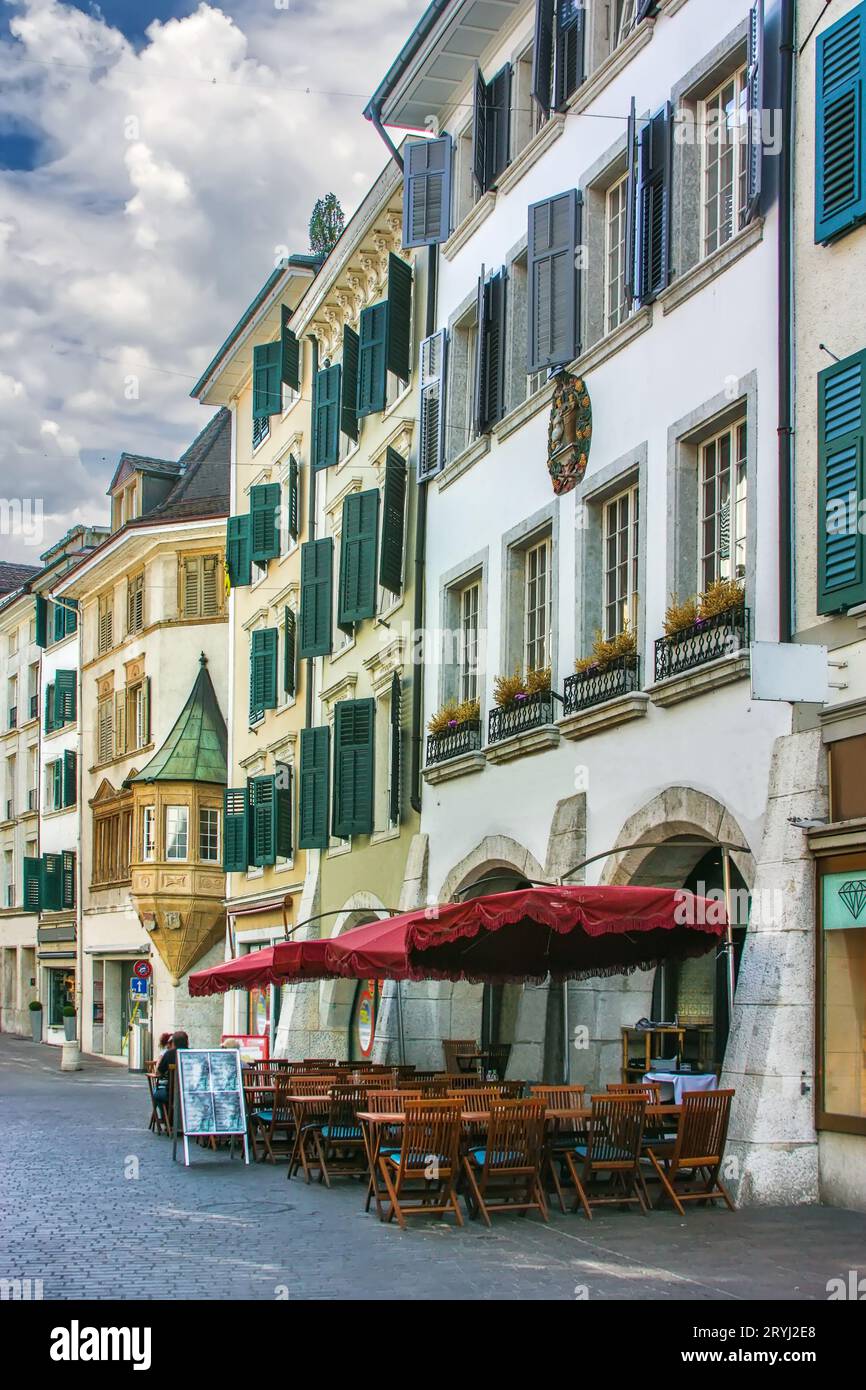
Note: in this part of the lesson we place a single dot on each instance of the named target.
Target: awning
(529, 935)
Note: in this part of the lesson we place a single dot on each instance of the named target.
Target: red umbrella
(275, 965)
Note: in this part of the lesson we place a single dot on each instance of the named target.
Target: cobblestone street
(75, 1216)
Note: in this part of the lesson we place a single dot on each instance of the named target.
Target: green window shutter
(841, 484)
(290, 647)
(326, 417)
(263, 821)
(353, 767)
(283, 791)
(294, 499)
(64, 698)
(314, 791)
(239, 550)
(235, 831)
(51, 883)
(431, 450)
(267, 383)
(70, 777)
(265, 522)
(290, 352)
(372, 359)
(68, 878)
(41, 621)
(71, 611)
(554, 320)
(59, 622)
(263, 671)
(50, 725)
(840, 138)
(358, 557)
(398, 356)
(32, 884)
(654, 158)
(349, 389)
(427, 191)
(317, 580)
(57, 785)
(393, 523)
(396, 770)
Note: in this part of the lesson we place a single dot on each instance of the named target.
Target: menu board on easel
(210, 1098)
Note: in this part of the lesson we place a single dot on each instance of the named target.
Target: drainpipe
(420, 559)
(311, 518)
(786, 291)
(374, 114)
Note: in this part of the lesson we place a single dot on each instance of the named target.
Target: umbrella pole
(401, 1050)
(729, 931)
(566, 1036)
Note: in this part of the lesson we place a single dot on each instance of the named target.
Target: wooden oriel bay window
(112, 833)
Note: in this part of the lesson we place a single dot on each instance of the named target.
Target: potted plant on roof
(454, 729)
(36, 1020)
(70, 1021)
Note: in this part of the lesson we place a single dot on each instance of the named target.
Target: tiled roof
(13, 576)
(203, 486)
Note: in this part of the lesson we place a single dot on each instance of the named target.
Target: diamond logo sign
(853, 895)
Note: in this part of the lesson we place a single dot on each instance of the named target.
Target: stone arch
(677, 811)
(337, 996)
(493, 852)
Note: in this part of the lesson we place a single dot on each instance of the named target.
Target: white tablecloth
(674, 1083)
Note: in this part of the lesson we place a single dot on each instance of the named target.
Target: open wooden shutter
(265, 522)
(755, 105)
(840, 177)
(68, 878)
(398, 355)
(263, 821)
(64, 698)
(70, 608)
(283, 793)
(542, 57)
(314, 791)
(32, 883)
(263, 671)
(294, 499)
(841, 484)
(394, 790)
(119, 723)
(59, 622)
(570, 43)
(358, 557)
(51, 883)
(431, 452)
(267, 387)
(317, 570)
(349, 388)
(554, 281)
(491, 353)
(393, 523)
(290, 645)
(239, 550)
(145, 709)
(210, 586)
(481, 106)
(498, 142)
(50, 716)
(70, 777)
(427, 191)
(41, 621)
(235, 831)
(326, 417)
(372, 359)
(290, 352)
(354, 726)
(654, 205)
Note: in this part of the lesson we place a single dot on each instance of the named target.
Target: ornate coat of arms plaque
(570, 433)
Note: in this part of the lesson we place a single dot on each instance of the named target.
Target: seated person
(177, 1043)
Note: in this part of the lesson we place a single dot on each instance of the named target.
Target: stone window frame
(598, 489)
(685, 437)
(515, 545)
(460, 362)
(595, 185)
(452, 584)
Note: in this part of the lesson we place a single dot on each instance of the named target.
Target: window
(9, 878)
(201, 582)
(723, 117)
(461, 395)
(527, 117)
(722, 543)
(842, 952)
(148, 834)
(209, 835)
(135, 604)
(112, 839)
(261, 430)
(13, 642)
(105, 622)
(137, 717)
(12, 702)
(177, 833)
(616, 303)
(469, 600)
(466, 190)
(10, 798)
(623, 14)
(105, 729)
(290, 396)
(621, 536)
(537, 606)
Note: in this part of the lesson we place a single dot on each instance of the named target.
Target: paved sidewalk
(91, 1204)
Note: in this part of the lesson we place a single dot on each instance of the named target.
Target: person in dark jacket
(177, 1043)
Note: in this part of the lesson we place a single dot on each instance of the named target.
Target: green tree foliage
(326, 225)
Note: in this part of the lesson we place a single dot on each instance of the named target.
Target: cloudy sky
(154, 157)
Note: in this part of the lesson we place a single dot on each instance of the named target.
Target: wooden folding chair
(699, 1148)
(651, 1089)
(613, 1148)
(158, 1123)
(429, 1156)
(508, 1167)
(561, 1135)
(458, 1056)
(275, 1120)
(337, 1147)
(387, 1138)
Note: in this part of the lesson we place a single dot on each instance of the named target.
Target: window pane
(177, 832)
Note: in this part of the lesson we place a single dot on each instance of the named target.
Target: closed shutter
(32, 883)
(70, 608)
(570, 41)
(498, 142)
(105, 730)
(51, 883)
(289, 652)
(59, 622)
(491, 353)
(50, 724)
(290, 352)
(353, 767)
(283, 793)
(554, 285)
(358, 556)
(106, 622)
(393, 523)
(840, 178)
(191, 588)
(239, 551)
(399, 325)
(265, 522)
(57, 786)
(653, 205)
(396, 771)
(235, 831)
(431, 453)
(135, 604)
(542, 56)
(70, 777)
(120, 724)
(68, 878)
(263, 821)
(372, 359)
(427, 191)
(263, 672)
(349, 389)
(65, 698)
(841, 484)
(294, 499)
(317, 568)
(481, 104)
(145, 710)
(314, 791)
(755, 101)
(326, 417)
(210, 586)
(41, 621)
(629, 276)
(267, 385)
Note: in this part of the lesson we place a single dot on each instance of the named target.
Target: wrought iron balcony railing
(452, 743)
(532, 712)
(706, 640)
(585, 689)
